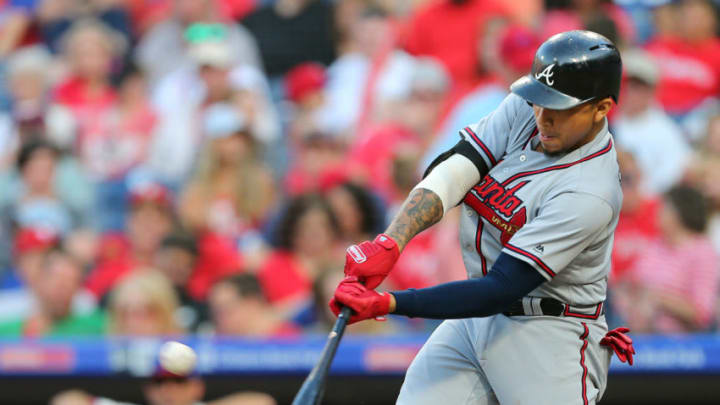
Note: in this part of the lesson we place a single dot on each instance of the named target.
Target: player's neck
(594, 131)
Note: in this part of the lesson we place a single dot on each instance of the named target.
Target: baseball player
(538, 183)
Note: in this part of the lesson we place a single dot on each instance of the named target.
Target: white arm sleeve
(451, 180)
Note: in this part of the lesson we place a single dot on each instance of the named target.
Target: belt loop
(536, 309)
(527, 305)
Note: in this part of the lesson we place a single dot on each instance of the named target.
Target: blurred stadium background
(194, 169)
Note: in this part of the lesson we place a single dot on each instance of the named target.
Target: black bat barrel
(313, 388)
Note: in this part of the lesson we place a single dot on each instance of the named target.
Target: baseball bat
(313, 388)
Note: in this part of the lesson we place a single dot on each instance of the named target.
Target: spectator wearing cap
(28, 251)
(675, 279)
(56, 287)
(231, 191)
(305, 89)
(150, 220)
(239, 308)
(508, 52)
(181, 98)
(644, 129)
(164, 48)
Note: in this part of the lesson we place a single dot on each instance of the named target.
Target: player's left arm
(564, 227)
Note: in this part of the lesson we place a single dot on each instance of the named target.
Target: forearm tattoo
(422, 209)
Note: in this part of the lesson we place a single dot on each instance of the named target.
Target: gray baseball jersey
(558, 214)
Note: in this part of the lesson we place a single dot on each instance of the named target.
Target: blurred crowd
(200, 166)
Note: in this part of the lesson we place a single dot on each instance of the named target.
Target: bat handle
(342, 320)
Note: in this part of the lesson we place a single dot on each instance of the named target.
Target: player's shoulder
(517, 107)
(520, 119)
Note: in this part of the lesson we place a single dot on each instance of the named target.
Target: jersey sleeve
(490, 136)
(563, 228)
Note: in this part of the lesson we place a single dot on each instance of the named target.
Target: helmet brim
(545, 96)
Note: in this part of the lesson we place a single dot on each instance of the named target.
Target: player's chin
(552, 147)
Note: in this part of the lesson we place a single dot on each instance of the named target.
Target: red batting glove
(365, 303)
(371, 262)
(621, 343)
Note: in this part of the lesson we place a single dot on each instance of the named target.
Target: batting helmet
(571, 68)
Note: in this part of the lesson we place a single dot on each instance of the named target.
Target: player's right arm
(449, 177)
(442, 189)
(452, 174)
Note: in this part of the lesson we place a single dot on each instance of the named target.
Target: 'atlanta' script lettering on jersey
(499, 205)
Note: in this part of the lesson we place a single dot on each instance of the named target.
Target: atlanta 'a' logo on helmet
(547, 73)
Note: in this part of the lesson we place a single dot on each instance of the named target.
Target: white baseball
(177, 358)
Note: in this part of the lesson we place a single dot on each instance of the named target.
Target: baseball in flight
(177, 358)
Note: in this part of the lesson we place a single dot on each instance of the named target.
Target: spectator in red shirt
(307, 244)
(118, 140)
(676, 277)
(448, 30)
(239, 308)
(637, 226)
(92, 50)
(149, 221)
(689, 59)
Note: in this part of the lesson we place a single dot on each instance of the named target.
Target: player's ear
(602, 108)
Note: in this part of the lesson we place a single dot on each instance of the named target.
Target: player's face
(562, 131)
